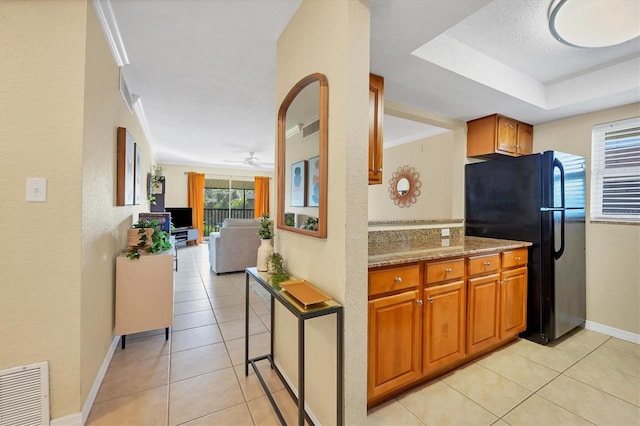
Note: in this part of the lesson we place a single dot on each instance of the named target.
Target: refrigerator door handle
(558, 253)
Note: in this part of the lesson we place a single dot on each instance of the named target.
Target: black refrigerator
(538, 198)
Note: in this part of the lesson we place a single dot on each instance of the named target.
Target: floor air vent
(24, 395)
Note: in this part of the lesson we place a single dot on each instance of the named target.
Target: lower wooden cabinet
(426, 318)
(394, 342)
(443, 324)
(483, 324)
(513, 302)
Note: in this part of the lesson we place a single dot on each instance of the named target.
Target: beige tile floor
(197, 376)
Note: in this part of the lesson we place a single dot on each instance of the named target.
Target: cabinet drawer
(483, 264)
(514, 258)
(444, 271)
(386, 280)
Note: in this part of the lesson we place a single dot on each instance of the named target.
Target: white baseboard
(74, 419)
(294, 389)
(79, 419)
(613, 332)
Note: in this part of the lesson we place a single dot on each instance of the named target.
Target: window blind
(615, 171)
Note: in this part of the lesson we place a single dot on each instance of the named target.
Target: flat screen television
(180, 216)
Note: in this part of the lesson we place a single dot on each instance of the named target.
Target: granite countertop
(398, 252)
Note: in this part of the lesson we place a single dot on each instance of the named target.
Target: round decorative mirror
(404, 186)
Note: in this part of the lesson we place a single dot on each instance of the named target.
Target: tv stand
(185, 235)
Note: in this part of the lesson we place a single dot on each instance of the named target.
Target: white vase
(264, 251)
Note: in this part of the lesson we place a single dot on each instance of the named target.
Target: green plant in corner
(277, 270)
(266, 227)
(160, 239)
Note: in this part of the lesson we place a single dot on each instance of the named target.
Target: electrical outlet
(36, 189)
(445, 232)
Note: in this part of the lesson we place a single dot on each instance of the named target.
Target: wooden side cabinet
(497, 135)
(376, 113)
(144, 293)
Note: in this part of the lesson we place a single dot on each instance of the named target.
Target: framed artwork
(313, 184)
(298, 183)
(137, 186)
(125, 168)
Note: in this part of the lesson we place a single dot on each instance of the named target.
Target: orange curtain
(195, 190)
(261, 192)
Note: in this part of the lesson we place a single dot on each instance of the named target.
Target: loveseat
(235, 246)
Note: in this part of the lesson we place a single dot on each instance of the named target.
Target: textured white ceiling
(205, 69)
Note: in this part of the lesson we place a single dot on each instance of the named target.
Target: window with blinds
(615, 171)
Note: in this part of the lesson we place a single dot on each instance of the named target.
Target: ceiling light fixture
(594, 23)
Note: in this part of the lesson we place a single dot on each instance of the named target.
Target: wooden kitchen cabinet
(483, 315)
(513, 299)
(429, 317)
(497, 135)
(444, 324)
(394, 342)
(497, 298)
(376, 114)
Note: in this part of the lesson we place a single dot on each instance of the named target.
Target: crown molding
(111, 31)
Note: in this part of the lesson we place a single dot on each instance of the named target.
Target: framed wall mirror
(302, 157)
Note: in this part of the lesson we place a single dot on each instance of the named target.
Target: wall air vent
(128, 98)
(24, 395)
(310, 129)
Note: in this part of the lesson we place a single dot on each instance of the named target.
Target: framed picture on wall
(298, 183)
(125, 168)
(313, 183)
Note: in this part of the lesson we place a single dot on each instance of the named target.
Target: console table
(302, 314)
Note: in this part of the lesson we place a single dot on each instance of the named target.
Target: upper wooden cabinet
(376, 113)
(498, 135)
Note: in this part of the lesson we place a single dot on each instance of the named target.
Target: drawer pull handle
(419, 302)
(430, 299)
(398, 279)
(518, 258)
(487, 263)
(448, 270)
(506, 280)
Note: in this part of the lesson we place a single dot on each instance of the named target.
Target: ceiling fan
(251, 160)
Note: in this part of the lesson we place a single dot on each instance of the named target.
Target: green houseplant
(277, 269)
(151, 239)
(265, 231)
(266, 227)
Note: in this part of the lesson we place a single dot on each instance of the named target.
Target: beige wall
(104, 225)
(59, 111)
(332, 38)
(613, 251)
(433, 158)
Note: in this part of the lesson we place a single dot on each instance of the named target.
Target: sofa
(235, 247)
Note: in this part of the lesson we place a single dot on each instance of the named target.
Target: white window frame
(615, 165)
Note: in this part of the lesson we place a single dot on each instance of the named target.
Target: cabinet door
(443, 324)
(483, 316)
(513, 302)
(394, 342)
(525, 139)
(376, 112)
(507, 135)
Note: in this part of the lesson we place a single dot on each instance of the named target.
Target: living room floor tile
(200, 360)
(195, 337)
(193, 319)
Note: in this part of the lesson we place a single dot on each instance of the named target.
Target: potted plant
(265, 230)
(147, 236)
(277, 270)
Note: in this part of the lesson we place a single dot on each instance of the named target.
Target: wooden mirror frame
(411, 175)
(282, 167)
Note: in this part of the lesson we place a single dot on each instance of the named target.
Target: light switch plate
(445, 232)
(36, 189)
